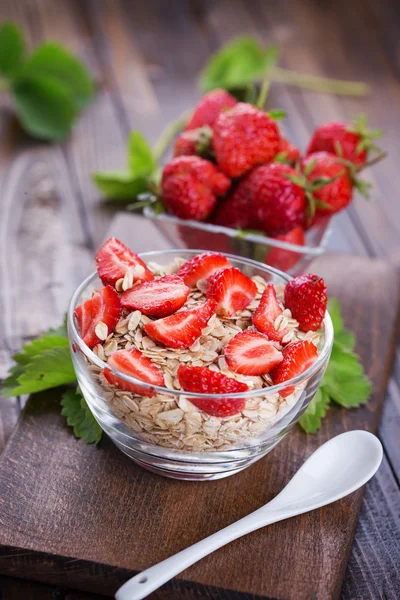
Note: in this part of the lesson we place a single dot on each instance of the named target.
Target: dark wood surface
(145, 56)
(87, 517)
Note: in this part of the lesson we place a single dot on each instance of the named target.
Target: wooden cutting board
(88, 518)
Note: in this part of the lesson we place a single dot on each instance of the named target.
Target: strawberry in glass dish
(243, 138)
(350, 141)
(194, 142)
(133, 363)
(190, 186)
(209, 108)
(157, 298)
(287, 153)
(333, 187)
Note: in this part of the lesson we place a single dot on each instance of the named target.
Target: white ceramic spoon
(336, 469)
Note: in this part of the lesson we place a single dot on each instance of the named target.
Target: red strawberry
(266, 313)
(286, 259)
(114, 259)
(183, 328)
(251, 353)
(209, 108)
(190, 186)
(297, 357)
(351, 141)
(306, 298)
(335, 195)
(234, 211)
(157, 298)
(277, 203)
(195, 141)
(105, 307)
(243, 138)
(232, 291)
(204, 381)
(132, 362)
(202, 266)
(287, 153)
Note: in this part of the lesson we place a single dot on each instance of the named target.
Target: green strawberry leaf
(11, 382)
(238, 64)
(48, 369)
(79, 417)
(37, 346)
(45, 107)
(12, 48)
(55, 63)
(345, 380)
(120, 185)
(140, 156)
(334, 312)
(311, 419)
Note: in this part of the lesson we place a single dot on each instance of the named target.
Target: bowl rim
(75, 337)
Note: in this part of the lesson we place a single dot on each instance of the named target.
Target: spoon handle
(146, 582)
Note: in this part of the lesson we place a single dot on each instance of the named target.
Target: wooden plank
(63, 527)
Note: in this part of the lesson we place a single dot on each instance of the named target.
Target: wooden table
(146, 56)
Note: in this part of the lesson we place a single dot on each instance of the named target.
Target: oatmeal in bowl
(195, 363)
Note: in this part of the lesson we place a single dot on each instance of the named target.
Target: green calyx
(360, 184)
(367, 136)
(309, 187)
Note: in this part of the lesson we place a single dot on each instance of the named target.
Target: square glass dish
(290, 258)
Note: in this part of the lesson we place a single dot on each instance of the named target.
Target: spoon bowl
(336, 469)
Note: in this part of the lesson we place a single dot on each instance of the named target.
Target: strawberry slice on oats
(202, 266)
(232, 291)
(251, 353)
(99, 313)
(132, 362)
(183, 328)
(202, 380)
(114, 259)
(266, 314)
(297, 357)
(157, 298)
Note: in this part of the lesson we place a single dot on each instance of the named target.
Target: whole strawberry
(351, 141)
(305, 297)
(234, 210)
(209, 108)
(286, 259)
(331, 197)
(243, 138)
(288, 153)
(190, 186)
(193, 142)
(277, 204)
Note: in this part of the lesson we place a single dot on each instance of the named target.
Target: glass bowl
(181, 441)
(288, 257)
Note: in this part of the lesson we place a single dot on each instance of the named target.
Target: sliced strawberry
(105, 307)
(204, 381)
(232, 290)
(266, 313)
(251, 353)
(182, 329)
(114, 259)
(297, 357)
(132, 362)
(202, 266)
(157, 298)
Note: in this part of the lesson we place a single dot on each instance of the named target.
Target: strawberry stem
(167, 135)
(320, 84)
(371, 162)
(262, 96)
